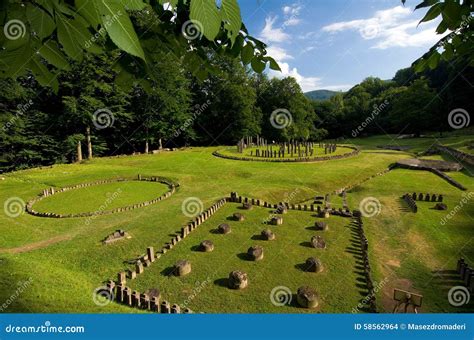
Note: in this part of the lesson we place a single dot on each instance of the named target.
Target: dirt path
(36, 245)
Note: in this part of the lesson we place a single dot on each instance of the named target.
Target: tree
(230, 113)
(91, 101)
(287, 113)
(458, 45)
(56, 31)
(165, 107)
(414, 108)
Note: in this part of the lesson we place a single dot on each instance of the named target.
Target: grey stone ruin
(238, 280)
(116, 236)
(175, 309)
(165, 307)
(319, 225)
(255, 253)
(121, 278)
(182, 267)
(247, 206)
(224, 228)
(307, 297)
(136, 299)
(313, 265)
(268, 235)
(151, 254)
(145, 302)
(276, 220)
(420, 197)
(206, 246)
(139, 267)
(441, 206)
(238, 217)
(318, 242)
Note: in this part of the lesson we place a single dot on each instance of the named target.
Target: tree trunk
(146, 146)
(160, 144)
(79, 152)
(89, 143)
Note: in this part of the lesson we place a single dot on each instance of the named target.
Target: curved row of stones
(52, 191)
(355, 151)
(237, 279)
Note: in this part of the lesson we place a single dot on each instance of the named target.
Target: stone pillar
(144, 301)
(127, 296)
(151, 254)
(121, 278)
(139, 267)
(165, 307)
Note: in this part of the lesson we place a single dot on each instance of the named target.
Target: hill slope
(321, 94)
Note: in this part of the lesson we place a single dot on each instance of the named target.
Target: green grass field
(64, 261)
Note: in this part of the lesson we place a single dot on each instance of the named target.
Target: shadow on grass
(168, 271)
(244, 256)
(306, 244)
(224, 282)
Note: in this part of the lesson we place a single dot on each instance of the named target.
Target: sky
(335, 44)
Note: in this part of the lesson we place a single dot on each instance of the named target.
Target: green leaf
(119, 27)
(42, 75)
(426, 3)
(432, 13)
(452, 14)
(434, 60)
(231, 17)
(273, 64)
(420, 65)
(258, 65)
(207, 17)
(40, 21)
(448, 52)
(88, 10)
(71, 36)
(50, 51)
(442, 27)
(247, 53)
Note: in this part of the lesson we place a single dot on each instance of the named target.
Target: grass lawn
(64, 261)
(119, 194)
